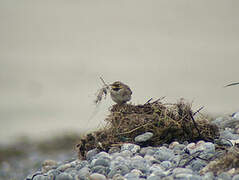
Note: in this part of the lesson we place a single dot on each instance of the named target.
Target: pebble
(90, 154)
(48, 165)
(163, 154)
(64, 176)
(96, 176)
(63, 167)
(202, 146)
(143, 137)
(177, 160)
(224, 176)
(130, 147)
(236, 177)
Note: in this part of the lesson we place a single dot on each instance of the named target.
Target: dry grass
(168, 122)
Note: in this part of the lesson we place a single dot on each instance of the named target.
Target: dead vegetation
(168, 122)
(227, 162)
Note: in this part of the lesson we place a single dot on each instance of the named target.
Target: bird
(120, 92)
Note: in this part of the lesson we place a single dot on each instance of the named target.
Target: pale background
(53, 52)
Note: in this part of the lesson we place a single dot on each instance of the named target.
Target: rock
(84, 173)
(182, 171)
(90, 154)
(228, 135)
(114, 150)
(151, 159)
(131, 176)
(63, 167)
(41, 177)
(64, 176)
(81, 165)
(166, 164)
(96, 176)
(198, 164)
(155, 169)
(235, 142)
(130, 147)
(100, 169)
(163, 154)
(102, 162)
(236, 177)
(208, 176)
(125, 154)
(173, 144)
(48, 165)
(140, 164)
(224, 176)
(153, 177)
(223, 142)
(207, 147)
(218, 121)
(185, 176)
(120, 169)
(118, 177)
(53, 173)
(143, 137)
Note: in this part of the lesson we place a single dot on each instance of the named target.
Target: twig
(232, 84)
(195, 124)
(128, 132)
(148, 101)
(159, 99)
(104, 82)
(198, 110)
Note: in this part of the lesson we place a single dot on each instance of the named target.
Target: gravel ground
(130, 161)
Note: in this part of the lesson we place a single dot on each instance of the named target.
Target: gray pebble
(121, 169)
(63, 167)
(130, 147)
(224, 176)
(41, 177)
(198, 164)
(81, 165)
(118, 177)
(102, 162)
(96, 176)
(90, 154)
(153, 177)
(140, 164)
(100, 169)
(64, 176)
(236, 177)
(83, 173)
(184, 176)
(228, 135)
(166, 164)
(182, 170)
(208, 176)
(163, 154)
(131, 176)
(143, 137)
(155, 169)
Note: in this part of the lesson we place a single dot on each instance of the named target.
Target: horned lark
(120, 92)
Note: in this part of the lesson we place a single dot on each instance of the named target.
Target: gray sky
(53, 52)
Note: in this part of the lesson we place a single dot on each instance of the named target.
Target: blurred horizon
(52, 54)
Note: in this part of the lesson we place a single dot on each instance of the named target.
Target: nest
(167, 122)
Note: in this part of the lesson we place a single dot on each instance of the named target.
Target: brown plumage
(120, 92)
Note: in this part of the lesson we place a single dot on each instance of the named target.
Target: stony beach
(130, 161)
